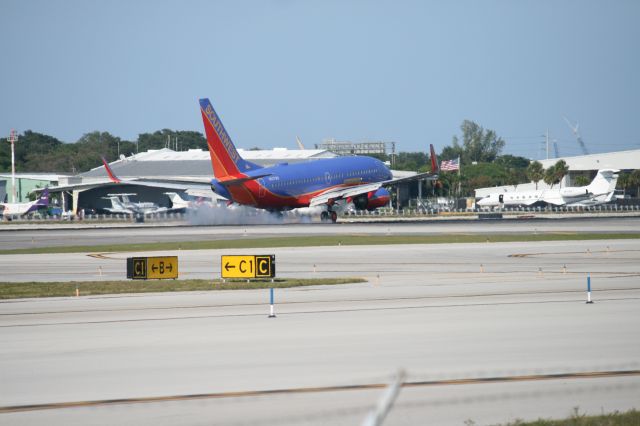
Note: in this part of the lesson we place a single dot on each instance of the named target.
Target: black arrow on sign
(227, 266)
(169, 267)
(154, 267)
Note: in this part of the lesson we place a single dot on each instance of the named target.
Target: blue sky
(403, 71)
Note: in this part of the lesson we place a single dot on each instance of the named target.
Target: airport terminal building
(26, 183)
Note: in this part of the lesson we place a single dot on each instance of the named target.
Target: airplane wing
(343, 192)
(113, 180)
(181, 185)
(354, 191)
(533, 201)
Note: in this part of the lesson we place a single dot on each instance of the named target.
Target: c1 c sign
(252, 266)
(152, 268)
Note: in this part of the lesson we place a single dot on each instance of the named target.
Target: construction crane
(574, 130)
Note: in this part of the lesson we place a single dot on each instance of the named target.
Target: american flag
(450, 165)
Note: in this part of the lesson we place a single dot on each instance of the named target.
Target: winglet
(112, 176)
(434, 160)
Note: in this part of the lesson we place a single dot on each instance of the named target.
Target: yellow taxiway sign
(152, 268)
(242, 266)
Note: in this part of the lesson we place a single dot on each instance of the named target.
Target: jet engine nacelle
(573, 192)
(371, 200)
(220, 189)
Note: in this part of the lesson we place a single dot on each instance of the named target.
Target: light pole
(13, 138)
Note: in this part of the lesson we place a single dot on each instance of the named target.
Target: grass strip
(628, 418)
(325, 240)
(13, 290)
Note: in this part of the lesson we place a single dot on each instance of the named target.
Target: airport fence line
(409, 212)
(381, 212)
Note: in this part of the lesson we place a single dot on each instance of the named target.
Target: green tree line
(37, 152)
(483, 165)
(479, 151)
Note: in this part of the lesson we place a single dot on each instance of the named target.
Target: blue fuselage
(293, 185)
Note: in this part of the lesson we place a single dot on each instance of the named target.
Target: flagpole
(459, 176)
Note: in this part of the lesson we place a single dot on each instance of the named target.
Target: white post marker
(271, 311)
(377, 415)
(589, 288)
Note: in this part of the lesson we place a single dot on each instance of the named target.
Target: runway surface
(440, 312)
(93, 235)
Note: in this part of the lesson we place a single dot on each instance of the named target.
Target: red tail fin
(224, 156)
(434, 160)
(112, 176)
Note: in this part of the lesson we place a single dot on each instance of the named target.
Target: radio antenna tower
(574, 130)
(13, 138)
(547, 141)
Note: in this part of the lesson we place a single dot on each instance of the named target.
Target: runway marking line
(303, 302)
(242, 394)
(315, 312)
(570, 252)
(103, 256)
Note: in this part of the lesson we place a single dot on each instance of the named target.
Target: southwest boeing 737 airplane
(359, 179)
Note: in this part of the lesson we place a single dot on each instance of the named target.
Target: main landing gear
(329, 215)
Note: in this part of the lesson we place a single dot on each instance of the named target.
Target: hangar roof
(276, 154)
(621, 160)
(197, 162)
(51, 177)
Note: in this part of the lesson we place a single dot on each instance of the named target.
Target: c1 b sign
(152, 268)
(240, 266)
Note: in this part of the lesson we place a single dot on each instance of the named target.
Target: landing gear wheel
(324, 217)
(334, 217)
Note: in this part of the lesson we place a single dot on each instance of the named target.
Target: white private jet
(178, 203)
(122, 204)
(599, 191)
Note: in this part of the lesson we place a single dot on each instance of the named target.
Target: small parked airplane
(324, 182)
(21, 209)
(599, 191)
(178, 203)
(122, 204)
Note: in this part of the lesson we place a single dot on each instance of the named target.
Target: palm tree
(624, 181)
(535, 172)
(550, 176)
(512, 178)
(561, 170)
(635, 180)
(582, 180)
